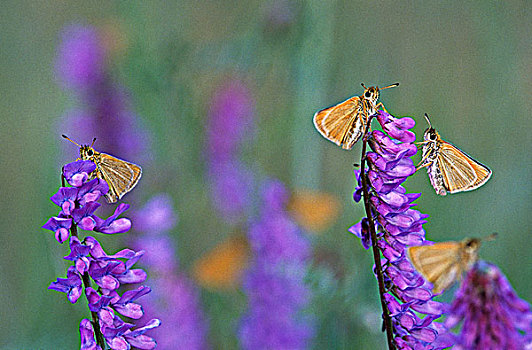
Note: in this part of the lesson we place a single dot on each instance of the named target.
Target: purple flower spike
(60, 226)
(112, 224)
(230, 120)
(281, 252)
(70, 285)
(491, 313)
(77, 173)
(86, 332)
(398, 225)
(105, 113)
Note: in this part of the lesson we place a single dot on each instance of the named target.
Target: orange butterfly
(346, 122)
(450, 169)
(223, 266)
(313, 210)
(120, 175)
(444, 263)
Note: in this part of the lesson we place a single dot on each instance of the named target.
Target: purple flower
(81, 57)
(491, 314)
(79, 254)
(70, 285)
(398, 225)
(60, 226)
(112, 224)
(87, 336)
(175, 300)
(230, 120)
(77, 173)
(281, 254)
(157, 215)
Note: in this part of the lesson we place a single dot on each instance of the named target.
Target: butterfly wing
(120, 175)
(343, 123)
(438, 263)
(483, 173)
(456, 169)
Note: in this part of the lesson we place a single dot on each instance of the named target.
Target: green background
(466, 64)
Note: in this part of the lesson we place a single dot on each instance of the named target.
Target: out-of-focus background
(466, 64)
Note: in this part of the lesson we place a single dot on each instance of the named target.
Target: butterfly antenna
(93, 141)
(390, 86)
(69, 139)
(364, 86)
(428, 120)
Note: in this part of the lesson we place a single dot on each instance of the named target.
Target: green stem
(87, 283)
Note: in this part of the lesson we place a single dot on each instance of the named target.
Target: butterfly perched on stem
(120, 175)
(444, 263)
(449, 168)
(346, 122)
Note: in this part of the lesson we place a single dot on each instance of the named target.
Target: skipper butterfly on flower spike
(120, 175)
(444, 263)
(450, 169)
(346, 122)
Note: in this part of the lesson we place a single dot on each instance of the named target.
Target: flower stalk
(387, 323)
(92, 266)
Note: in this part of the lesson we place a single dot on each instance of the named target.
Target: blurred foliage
(466, 64)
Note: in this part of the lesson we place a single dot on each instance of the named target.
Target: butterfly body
(449, 168)
(444, 263)
(121, 176)
(346, 122)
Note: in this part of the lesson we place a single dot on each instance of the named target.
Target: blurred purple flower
(175, 299)
(81, 57)
(274, 283)
(157, 215)
(92, 265)
(491, 314)
(230, 120)
(398, 225)
(104, 112)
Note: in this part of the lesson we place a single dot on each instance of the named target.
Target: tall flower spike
(175, 299)
(491, 314)
(104, 111)
(92, 265)
(230, 121)
(407, 301)
(281, 254)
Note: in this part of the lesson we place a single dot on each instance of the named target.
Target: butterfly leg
(423, 162)
(381, 106)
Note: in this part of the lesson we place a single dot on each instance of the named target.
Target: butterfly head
(430, 135)
(371, 93)
(86, 152)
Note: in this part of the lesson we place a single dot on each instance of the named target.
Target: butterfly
(443, 263)
(346, 122)
(223, 266)
(120, 175)
(450, 169)
(313, 210)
